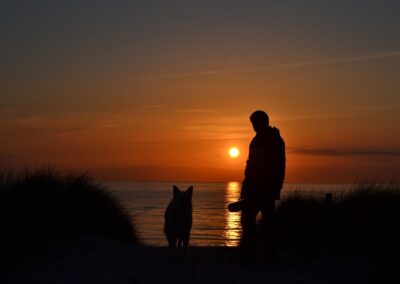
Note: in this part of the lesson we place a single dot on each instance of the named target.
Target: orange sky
(161, 93)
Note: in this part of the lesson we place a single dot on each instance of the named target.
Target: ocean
(213, 224)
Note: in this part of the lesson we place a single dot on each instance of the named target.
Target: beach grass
(364, 219)
(41, 205)
(45, 204)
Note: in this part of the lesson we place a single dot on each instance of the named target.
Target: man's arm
(245, 189)
(281, 166)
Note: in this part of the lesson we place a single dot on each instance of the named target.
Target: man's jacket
(265, 167)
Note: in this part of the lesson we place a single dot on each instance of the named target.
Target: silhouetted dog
(178, 220)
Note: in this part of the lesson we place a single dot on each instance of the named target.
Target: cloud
(194, 110)
(349, 112)
(296, 64)
(182, 110)
(157, 106)
(360, 58)
(343, 152)
(58, 125)
(377, 108)
(314, 117)
(42, 122)
(10, 110)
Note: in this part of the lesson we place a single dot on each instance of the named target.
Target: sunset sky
(160, 90)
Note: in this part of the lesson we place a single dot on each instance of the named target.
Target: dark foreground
(98, 260)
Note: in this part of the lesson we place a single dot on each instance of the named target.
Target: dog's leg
(179, 246)
(185, 245)
(172, 245)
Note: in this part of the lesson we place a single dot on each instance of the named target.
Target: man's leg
(269, 230)
(248, 221)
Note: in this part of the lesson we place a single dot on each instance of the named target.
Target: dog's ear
(176, 191)
(189, 192)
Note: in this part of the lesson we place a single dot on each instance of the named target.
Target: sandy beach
(98, 260)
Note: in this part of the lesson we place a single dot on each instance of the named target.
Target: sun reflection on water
(232, 227)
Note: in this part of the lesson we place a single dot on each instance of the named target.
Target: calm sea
(213, 224)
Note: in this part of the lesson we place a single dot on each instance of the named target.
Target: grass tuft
(365, 219)
(45, 204)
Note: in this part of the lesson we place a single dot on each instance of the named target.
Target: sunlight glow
(234, 152)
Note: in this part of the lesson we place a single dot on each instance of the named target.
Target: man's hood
(274, 131)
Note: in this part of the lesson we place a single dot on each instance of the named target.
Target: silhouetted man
(264, 176)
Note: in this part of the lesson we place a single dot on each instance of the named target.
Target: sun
(234, 152)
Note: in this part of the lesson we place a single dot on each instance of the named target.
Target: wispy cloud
(194, 110)
(343, 152)
(377, 108)
(156, 106)
(345, 113)
(295, 64)
(10, 110)
(313, 116)
(41, 124)
(177, 109)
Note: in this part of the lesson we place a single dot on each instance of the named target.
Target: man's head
(260, 120)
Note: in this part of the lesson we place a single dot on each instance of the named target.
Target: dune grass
(46, 204)
(365, 219)
(41, 205)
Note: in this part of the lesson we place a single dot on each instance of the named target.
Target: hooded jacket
(265, 167)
